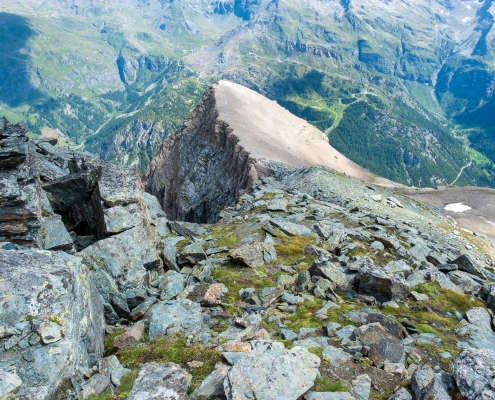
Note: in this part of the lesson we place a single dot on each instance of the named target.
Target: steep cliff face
(232, 138)
(201, 167)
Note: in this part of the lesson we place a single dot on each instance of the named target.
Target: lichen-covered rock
(51, 297)
(9, 384)
(171, 284)
(474, 373)
(118, 262)
(272, 372)
(170, 317)
(161, 382)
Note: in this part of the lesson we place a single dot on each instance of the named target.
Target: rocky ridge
(227, 143)
(310, 285)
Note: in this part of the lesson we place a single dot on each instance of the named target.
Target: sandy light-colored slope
(268, 131)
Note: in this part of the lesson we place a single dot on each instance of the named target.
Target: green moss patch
(327, 385)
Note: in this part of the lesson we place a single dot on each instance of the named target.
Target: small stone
(287, 334)
(401, 394)
(419, 296)
(96, 385)
(141, 309)
(131, 337)
(50, 332)
(194, 364)
(361, 387)
(208, 295)
(394, 368)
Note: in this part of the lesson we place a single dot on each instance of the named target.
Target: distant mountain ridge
(417, 76)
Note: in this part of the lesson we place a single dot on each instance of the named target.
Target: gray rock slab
(479, 316)
(428, 385)
(290, 228)
(212, 384)
(335, 356)
(121, 218)
(361, 387)
(170, 317)
(328, 396)
(271, 372)
(161, 381)
(381, 285)
(171, 284)
(383, 346)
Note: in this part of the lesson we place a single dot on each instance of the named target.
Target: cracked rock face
(51, 310)
(272, 372)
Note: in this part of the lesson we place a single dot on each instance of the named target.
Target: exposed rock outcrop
(227, 143)
(50, 319)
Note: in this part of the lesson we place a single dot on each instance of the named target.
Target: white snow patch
(457, 207)
(467, 19)
(468, 7)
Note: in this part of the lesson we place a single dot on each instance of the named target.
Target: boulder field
(301, 282)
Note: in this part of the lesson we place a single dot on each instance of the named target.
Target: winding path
(462, 170)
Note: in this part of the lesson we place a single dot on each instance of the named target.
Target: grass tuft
(327, 385)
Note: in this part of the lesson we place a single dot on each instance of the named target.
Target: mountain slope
(429, 64)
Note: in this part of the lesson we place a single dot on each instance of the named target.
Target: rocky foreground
(312, 285)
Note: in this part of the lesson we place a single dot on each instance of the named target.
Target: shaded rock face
(53, 316)
(200, 168)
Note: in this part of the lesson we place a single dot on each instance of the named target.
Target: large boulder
(161, 382)
(381, 285)
(118, 262)
(175, 316)
(382, 345)
(53, 317)
(271, 372)
(254, 254)
(474, 373)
